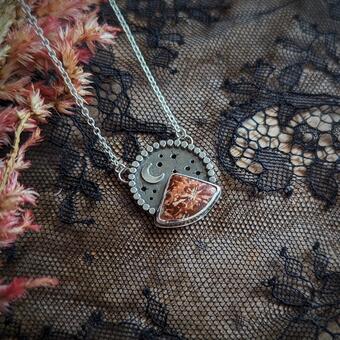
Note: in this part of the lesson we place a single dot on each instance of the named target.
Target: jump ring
(181, 133)
(121, 173)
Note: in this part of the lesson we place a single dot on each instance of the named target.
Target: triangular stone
(186, 200)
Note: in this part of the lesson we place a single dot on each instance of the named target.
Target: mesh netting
(256, 84)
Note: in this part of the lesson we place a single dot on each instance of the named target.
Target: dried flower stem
(27, 101)
(15, 149)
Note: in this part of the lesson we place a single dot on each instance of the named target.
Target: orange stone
(186, 200)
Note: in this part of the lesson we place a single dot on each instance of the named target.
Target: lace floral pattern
(72, 183)
(153, 325)
(315, 301)
(112, 88)
(281, 76)
(279, 127)
(152, 18)
(334, 9)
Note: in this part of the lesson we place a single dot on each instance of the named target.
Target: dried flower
(8, 121)
(14, 195)
(34, 89)
(38, 108)
(12, 226)
(88, 31)
(18, 288)
(34, 139)
(67, 10)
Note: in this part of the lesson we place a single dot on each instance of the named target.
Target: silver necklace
(173, 180)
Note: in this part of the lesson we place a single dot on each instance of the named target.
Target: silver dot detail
(140, 201)
(211, 173)
(136, 196)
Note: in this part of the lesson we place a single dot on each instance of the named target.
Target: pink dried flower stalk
(18, 288)
(7, 124)
(74, 31)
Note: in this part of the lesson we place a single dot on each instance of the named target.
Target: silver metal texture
(162, 160)
(192, 219)
(148, 177)
(180, 131)
(118, 164)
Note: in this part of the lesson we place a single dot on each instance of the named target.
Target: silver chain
(119, 166)
(180, 131)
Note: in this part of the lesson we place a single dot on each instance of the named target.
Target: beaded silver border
(161, 145)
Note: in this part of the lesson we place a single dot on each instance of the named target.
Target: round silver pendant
(154, 167)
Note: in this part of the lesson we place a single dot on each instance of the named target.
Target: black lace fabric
(256, 84)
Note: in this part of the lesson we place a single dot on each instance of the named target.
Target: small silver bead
(133, 170)
(210, 166)
(202, 154)
(139, 158)
(191, 147)
(212, 179)
(136, 196)
(135, 164)
(211, 173)
(132, 183)
(133, 190)
(162, 143)
(146, 206)
(170, 142)
(131, 176)
(144, 153)
(156, 145)
(184, 144)
(197, 150)
(206, 160)
(152, 211)
(149, 148)
(177, 142)
(140, 201)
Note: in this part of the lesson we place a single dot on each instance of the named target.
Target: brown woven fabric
(264, 264)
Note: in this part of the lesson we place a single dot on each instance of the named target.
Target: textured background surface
(257, 266)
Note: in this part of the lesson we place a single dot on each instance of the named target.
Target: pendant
(175, 181)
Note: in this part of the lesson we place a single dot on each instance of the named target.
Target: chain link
(180, 131)
(119, 166)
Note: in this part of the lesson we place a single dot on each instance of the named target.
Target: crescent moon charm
(148, 177)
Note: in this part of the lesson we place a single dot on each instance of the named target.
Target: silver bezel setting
(145, 153)
(184, 222)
